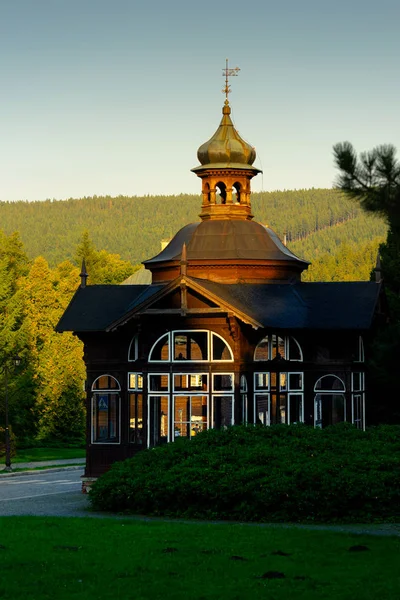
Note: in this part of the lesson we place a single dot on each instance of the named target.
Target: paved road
(43, 494)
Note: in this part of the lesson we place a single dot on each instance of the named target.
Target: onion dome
(226, 149)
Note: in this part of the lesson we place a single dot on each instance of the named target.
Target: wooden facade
(226, 333)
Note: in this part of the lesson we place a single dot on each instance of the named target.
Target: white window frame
(136, 388)
(286, 342)
(301, 373)
(268, 394)
(361, 353)
(222, 395)
(326, 391)
(297, 393)
(158, 392)
(150, 396)
(330, 393)
(98, 393)
(223, 392)
(168, 360)
(256, 388)
(214, 360)
(362, 381)
(360, 395)
(106, 389)
(190, 395)
(190, 392)
(170, 336)
(135, 341)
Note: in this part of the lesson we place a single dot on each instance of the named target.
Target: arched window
(195, 345)
(207, 192)
(106, 410)
(329, 401)
(221, 188)
(133, 351)
(244, 398)
(160, 349)
(275, 347)
(236, 193)
(329, 383)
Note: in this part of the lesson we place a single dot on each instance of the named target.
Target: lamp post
(16, 361)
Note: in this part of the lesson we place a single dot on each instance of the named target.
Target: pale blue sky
(115, 96)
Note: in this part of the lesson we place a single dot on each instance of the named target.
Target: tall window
(358, 399)
(136, 425)
(278, 397)
(106, 410)
(329, 401)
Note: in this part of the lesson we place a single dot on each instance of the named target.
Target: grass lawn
(37, 454)
(106, 559)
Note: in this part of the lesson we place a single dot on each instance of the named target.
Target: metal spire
(228, 73)
(83, 274)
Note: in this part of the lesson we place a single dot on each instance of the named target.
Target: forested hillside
(37, 282)
(315, 222)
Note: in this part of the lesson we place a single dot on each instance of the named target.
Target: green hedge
(251, 473)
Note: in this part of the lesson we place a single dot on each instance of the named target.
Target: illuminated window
(106, 410)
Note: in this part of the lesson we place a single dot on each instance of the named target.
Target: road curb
(39, 471)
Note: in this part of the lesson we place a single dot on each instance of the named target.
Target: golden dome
(226, 149)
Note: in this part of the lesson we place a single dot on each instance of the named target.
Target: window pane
(294, 350)
(356, 382)
(358, 411)
(105, 418)
(261, 381)
(198, 419)
(281, 409)
(244, 401)
(136, 419)
(106, 382)
(262, 409)
(261, 352)
(161, 349)
(133, 349)
(223, 383)
(283, 382)
(192, 345)
(191, 382)
(220, 350)
(295, 381)
(159, 417)
(243, 384)
(222, 411)
(159, 382)
(295, 406)
(278, 347)
(181, 416)
(135, 381)
(329, 382)
(273, 381)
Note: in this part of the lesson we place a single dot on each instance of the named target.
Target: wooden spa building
(225, 333)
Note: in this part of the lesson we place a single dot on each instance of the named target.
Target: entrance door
(329, 401)
(329, 409)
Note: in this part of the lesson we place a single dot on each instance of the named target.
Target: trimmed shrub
(252, 473)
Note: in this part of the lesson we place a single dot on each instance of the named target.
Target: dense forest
(314, 221)
(41, 249)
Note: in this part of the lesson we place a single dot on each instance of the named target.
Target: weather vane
(228, 73)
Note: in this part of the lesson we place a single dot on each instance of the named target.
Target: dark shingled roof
(338, 305)
(227, 240)
(94, 307)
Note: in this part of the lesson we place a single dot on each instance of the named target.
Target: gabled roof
(333, 305)
(94, 307)
(338, 305)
